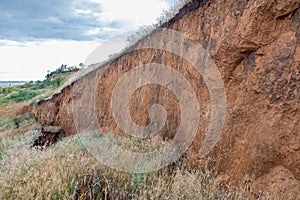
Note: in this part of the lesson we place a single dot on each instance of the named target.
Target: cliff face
(256, 47)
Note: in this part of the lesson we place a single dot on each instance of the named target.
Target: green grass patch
(2, 151)
(1, 154)
(35, 90)
(53, 84)
(24, 86)
(3, 100)
(28, 91)
(3, 122)
(7, 90)
(23, 95)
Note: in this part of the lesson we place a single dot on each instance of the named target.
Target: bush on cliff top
(28, 91)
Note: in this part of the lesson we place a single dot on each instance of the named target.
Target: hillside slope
(256, 46)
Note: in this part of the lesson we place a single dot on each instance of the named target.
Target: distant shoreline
(11, 83)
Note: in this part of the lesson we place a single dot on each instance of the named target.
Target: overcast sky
(40, 35)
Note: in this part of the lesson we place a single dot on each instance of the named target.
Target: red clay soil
(256, 46)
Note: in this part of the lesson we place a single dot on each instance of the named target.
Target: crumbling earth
(256, 47)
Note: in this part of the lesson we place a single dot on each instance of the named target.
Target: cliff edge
(256, 47)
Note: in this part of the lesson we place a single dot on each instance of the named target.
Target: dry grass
(10, 110)
(17, 125)
(67, 171)
(19, 108)
(20, 131)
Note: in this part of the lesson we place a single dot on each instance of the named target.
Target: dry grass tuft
(19, 108)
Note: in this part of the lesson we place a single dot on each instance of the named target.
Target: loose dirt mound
(256, 46)
(50, 135)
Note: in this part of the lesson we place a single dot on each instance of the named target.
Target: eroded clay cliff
(256, 46)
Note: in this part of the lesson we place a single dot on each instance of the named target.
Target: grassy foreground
(68, 171)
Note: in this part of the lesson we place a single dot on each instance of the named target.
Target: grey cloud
(25, 20)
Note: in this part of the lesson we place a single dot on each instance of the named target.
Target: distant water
(11, 83)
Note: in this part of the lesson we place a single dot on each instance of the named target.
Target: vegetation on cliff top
(38, 89)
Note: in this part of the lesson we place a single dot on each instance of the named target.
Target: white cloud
(83, 12)
(11, 43)
(54, 20)
(105, 30)
(93, 31)
(137, 12)
(32, 60)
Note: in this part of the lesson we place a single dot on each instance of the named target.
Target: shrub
(6, 90)
(23, 86)
(23, 95)
(29, 91)
(52, 84)
(38, 86)
(62, 69)
(56, 82)
(3, 100)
